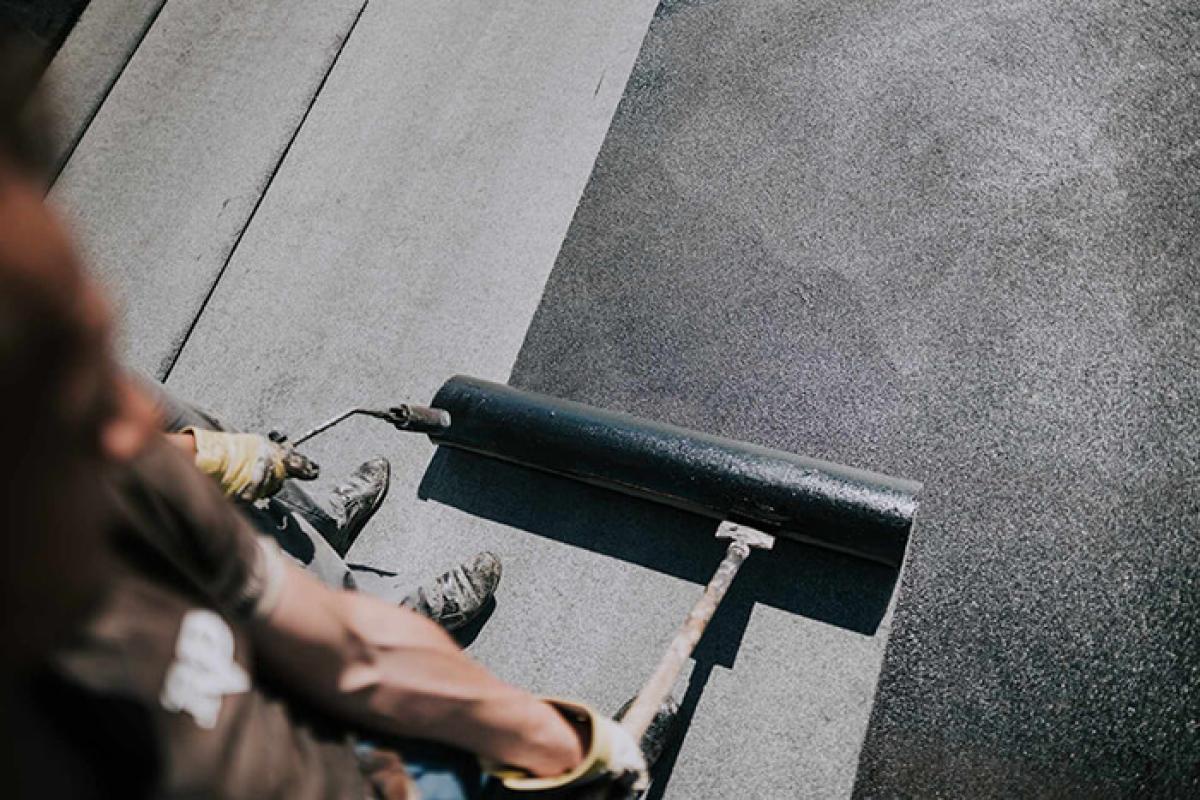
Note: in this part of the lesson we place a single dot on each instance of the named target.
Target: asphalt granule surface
(957, 243)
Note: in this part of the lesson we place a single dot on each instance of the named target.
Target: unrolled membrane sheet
(955, 242)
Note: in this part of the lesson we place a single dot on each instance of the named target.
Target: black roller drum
(846, 509)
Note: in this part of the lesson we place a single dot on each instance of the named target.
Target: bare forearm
(184, 442)
(417, 682)
(448, 698)
(392, 670)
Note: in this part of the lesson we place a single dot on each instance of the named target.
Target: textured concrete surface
(958, 243)
(409, 232)
(171, 167)
(89, 62)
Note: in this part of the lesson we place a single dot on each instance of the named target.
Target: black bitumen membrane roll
(842, 508)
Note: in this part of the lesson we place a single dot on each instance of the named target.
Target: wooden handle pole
(658, 688)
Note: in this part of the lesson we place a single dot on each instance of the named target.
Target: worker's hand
(611, 755)
(249, 466)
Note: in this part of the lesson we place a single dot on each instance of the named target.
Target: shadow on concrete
(466, 635)
(821, 585)
(830, 587)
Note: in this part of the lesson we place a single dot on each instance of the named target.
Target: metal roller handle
(404, 417)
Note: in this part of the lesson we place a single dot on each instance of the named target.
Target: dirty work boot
(354, 502)
(341, 516)
(455, 598)
(659, 735)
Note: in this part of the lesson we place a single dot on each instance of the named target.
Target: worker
(154, 644)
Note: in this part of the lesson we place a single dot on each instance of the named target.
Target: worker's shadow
(816, 583)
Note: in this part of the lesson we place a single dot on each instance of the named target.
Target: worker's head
(65, 411)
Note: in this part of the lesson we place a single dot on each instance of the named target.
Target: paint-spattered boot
(457, 597)
(354, 502)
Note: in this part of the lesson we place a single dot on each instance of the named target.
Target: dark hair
(37, 331)
(24, 139)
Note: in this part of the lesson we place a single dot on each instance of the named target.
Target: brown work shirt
(165, 660)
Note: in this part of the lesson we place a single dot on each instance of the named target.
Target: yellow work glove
(612, 755)
(248, 466)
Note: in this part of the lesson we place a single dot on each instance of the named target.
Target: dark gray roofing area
(956, 242)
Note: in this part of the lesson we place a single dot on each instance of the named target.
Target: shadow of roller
(820, 584)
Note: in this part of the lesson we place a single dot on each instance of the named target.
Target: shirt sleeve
(174, 515)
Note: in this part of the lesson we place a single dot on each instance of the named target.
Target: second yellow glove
(612, 754)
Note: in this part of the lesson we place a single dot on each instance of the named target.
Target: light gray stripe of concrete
(89, 63)
(410, 231)
(167, 174)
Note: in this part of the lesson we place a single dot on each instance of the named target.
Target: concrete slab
(957, 243)
(88, 64)
(167, 174)
(409, 233)
(408, 236)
